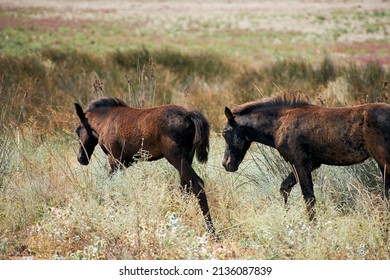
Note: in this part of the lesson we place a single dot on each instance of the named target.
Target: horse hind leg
(185, 185)
(377, 139)
(382, 157)
(196, 185)
(190, 181)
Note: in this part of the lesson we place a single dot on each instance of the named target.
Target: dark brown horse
(307, 136)
(168, 131)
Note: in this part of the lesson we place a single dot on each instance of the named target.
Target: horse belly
(130, 148)
(140, 148)
(151, 151)
(346, 153)
(339, 140)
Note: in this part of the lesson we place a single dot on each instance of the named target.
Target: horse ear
(229, 114)
(230, 117)
(79, 111)
(84, 120)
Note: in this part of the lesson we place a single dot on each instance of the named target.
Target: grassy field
(203, 56)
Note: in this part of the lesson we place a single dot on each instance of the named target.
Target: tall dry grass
(53, 208)
(37, 89)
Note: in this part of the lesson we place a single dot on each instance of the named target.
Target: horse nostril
(226, 164)
(83, 160)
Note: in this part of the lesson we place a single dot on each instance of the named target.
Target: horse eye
(78, 130)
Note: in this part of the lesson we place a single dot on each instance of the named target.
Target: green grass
(242, 36)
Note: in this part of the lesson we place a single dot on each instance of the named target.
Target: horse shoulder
(118, 125)
(293, 122)
(295, 130)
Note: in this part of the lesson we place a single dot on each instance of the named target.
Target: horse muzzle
(83, 160)
(229, 166)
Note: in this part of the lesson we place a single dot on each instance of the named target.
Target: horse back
(335, 136)
(126, 130)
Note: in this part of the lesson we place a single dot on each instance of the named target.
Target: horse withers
(307, 136)
(168, 131)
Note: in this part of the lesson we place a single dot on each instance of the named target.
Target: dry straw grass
(53, 208)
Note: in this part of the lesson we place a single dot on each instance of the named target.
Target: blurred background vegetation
(51, 55)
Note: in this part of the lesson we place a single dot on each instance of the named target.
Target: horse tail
(202, 135)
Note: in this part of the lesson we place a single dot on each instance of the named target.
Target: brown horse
(168, 131)
(307, 136)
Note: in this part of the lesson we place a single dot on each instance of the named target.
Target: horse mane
(276, 102)
(105, 102)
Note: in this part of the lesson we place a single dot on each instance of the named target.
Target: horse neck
(260, 127)
(95, 119)
(99, 119)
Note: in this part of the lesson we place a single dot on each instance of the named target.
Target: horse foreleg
(290, 182)
(116, 165)
(306, 183)
(113, 165)
(287, 185)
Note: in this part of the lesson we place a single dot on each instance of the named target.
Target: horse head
(87, 137)
(237, 143)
